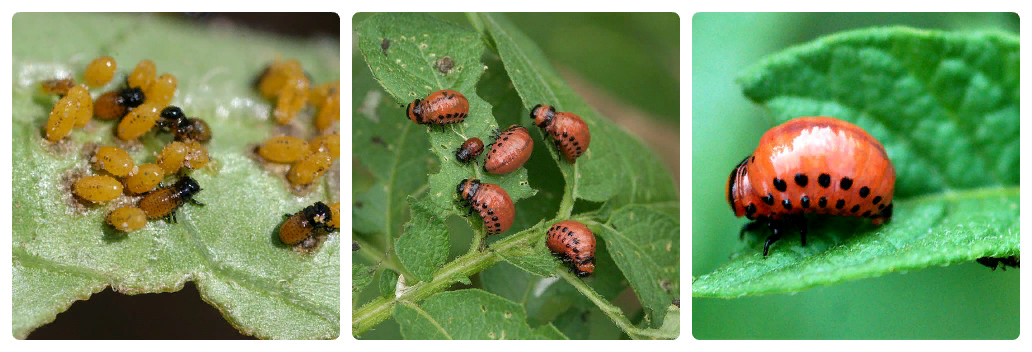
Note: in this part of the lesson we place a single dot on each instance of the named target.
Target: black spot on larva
(841, 203)
(824, 180)
(876, 200)
(846, 183)
(801, 180)
(888, 211)
(866, 213)
(575, 250)
(490, 212)
(571, 139)
(823, 202)
(780, 184)
(565, 229)
(855, 208)
(864, 191)
(805, 202)
(485, 206)
(498, 224)
(881, 206)
(576, 143)
(495, 218)
(753, 160)
(787, 204)
(751, 209)
(769, 199)
(564, 134)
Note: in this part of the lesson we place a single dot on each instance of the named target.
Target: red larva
(491, 201)
(574, 244)
(812, 165)
(469, 150)
(439, 108)
(510, 150)
(568, 131)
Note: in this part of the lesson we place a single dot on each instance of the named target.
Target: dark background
(182, 314)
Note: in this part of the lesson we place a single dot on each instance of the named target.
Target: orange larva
(310, 221)
(335, 218)
(138, 121)
(144, 178)
(57, 86)
(326, 98)
(812, 165)
(320, 93)
(440, 107)
(574, 244)
(291, 99)
(62, 118)
(115, 104)
(197, 157)
(172, 157)
(328, 143)
(100, 71)
(143, 74)
(469, 150)
(85, 103)
(276, 76)
(568, 131)
(98, 189)
(491, 201)
(114, 160)
(127, 219)
(161, 90)
(108, 107)
(195, 129)
(284, 149)
(329, 112)
(510, 151)
(310, 168)
(166, 200)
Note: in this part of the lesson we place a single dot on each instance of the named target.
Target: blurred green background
(965, 301)
(626, 65)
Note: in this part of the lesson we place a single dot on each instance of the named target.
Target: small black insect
(384, 45)
(1003, 263)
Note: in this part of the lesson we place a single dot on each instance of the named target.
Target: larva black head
(172, 118)
(187, 187)
(130, 97)
(413, 111)
(542, 115)
(318, 213)
(733, 179)
(467, 189)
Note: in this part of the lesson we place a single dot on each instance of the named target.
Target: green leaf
(361, 276)
(409, 71)
(463, 315)
(388, 282)
(931, 98)
(645, 243)
(616, 164)
(424, 246)
(549, 332)
(929, 231)
(945, 106)
(229, 247)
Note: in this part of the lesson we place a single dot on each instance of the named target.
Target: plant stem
(379, 309)
(614, 312)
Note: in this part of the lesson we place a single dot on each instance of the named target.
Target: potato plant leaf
(63, 250)
(945, 106)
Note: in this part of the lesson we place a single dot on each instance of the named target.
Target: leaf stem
(615, 313)
(475, 261)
